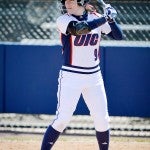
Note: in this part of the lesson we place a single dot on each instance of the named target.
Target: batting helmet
(63, 8)
(80, 2)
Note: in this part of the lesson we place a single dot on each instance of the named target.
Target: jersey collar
(82, 17)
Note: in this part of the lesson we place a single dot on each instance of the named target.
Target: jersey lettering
(94, 39)
(96, 54)
(88, 37)
(85, 40)
(79, 40)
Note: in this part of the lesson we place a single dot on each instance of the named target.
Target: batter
(80, 29)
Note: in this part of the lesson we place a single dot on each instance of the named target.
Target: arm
(116, 32)
(84, 27)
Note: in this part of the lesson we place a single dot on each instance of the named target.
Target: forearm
(116, 32)
(79, 28)
(96, 22)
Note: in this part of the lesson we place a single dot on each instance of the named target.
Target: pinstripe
(59, 95)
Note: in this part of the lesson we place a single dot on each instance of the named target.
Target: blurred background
(30, 59)
(23, 20)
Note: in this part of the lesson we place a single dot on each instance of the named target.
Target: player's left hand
(90, 7)
(109, 12)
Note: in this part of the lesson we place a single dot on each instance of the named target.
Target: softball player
(81, 28)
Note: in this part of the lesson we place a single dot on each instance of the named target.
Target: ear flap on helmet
(82, 2)
(62, 1)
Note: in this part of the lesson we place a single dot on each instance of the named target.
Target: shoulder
(63, 22)
(65, 17)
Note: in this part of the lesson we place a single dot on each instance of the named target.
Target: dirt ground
(12, 141)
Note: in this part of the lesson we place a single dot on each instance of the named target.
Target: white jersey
(81, 53)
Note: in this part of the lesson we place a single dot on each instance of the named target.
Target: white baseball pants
(71, 86)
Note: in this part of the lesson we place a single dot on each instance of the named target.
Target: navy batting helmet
(81, 2)
(63, 8)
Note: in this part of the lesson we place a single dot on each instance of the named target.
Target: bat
(102, 3)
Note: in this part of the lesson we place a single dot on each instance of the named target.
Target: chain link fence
(31, 21)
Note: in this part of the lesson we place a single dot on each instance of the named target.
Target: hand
(109, 12)
(90, 7)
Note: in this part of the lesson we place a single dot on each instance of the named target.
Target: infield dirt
(13, 141)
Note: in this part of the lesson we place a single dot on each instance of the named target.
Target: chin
(69, 12)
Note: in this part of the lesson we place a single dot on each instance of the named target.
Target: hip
(72, 79)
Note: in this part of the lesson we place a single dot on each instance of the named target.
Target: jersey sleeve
(63, 22)
(105, 28)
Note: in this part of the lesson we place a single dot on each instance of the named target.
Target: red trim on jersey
(61, 41)
(71, 50)
(60, 37)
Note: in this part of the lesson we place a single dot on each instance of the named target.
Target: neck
(80, 11)
(81, 17)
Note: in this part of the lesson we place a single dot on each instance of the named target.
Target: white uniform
(80, 74)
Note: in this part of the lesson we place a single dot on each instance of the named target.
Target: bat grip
(102, 3)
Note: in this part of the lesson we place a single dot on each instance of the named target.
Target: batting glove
(110, 13)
